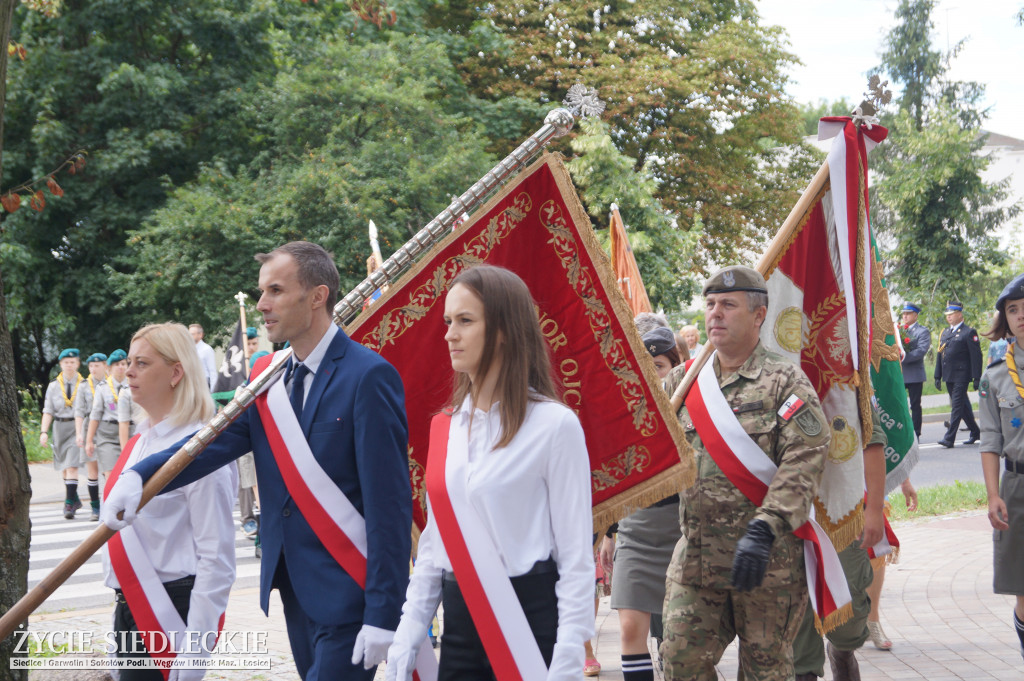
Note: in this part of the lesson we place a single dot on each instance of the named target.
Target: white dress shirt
(534, 497)
(312, 362)
(209, 362)
(188, 531)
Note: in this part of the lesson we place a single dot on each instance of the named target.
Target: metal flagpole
(580, 101)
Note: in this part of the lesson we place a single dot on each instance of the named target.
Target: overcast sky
(838, 41)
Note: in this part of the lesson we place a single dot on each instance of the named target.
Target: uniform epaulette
(997, 362)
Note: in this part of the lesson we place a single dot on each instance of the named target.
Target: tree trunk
(15, 490)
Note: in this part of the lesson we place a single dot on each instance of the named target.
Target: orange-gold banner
(537, 228)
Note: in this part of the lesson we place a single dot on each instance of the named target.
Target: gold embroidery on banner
(833, 360)
(614, 471)
(880, 349)
(789, 329)
(417, 476)
(614, 351)
(475, 251)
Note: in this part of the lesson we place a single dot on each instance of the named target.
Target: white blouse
(534, 497)
(188, 531)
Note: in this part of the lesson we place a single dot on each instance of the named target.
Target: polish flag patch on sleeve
(790, 407)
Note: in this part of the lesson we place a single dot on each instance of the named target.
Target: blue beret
(97, 357)
(250, 332)
(1013, 291)
(910, 307)
(117, 356)
(256, 356)
(68, 352)
(954, 306)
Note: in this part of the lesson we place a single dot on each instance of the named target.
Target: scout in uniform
(129, 415)
(59, 410)
(958, 363)
(97, 363)
(918, 340)
(102, 442)
(738, 569)
(1001, 406)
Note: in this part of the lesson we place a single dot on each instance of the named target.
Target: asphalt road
(940, 466)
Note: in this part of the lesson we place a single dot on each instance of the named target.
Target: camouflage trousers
(808, 648)
(700, 623)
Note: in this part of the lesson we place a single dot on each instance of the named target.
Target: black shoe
(972, 440)
(946, 443)
(70, 507)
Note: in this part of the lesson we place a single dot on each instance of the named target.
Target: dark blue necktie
(299, 372)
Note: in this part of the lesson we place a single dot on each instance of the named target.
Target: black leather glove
(938, 384)
(752, 553)
(975, 385)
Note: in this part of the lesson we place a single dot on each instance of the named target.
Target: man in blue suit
(350, 405)
(914, 375)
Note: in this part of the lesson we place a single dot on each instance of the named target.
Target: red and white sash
(751, 471)
(155, 616)
(497, 614)
(336, 522)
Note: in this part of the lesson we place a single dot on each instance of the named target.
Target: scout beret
(659, 340)
(117, 356)
(735, 278)
(96, 357)
(1013, 291)
(250, 332)
(910, 307)
(954, 306)
(256, 356)
(68, 352)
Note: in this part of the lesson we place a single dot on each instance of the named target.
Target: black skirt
(463, 657)
(129, 641)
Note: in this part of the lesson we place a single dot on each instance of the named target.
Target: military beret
(256, 356)
(910, 307)
(735, 278)
(1013, 291)
(117, 356)
(96, 357)
(659, 340)
(250, 332)
(954, 306)
(68, 352)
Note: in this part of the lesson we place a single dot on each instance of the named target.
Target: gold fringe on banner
(841, 532)
(835, 619)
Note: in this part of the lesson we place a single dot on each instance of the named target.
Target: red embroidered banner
(537, 228)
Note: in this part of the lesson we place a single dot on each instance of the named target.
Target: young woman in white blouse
(173, 568)
(506, 548)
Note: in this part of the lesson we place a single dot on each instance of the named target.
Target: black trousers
(960, 408)
(914, 393)
(463, 657)
(130, 644)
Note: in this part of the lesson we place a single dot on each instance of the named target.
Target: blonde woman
(172, 569)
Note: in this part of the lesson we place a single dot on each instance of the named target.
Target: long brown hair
(509, 313)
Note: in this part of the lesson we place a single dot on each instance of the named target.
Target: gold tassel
(841, 532)
(833, 620)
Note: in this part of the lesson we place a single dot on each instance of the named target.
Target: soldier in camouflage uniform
(739, 570)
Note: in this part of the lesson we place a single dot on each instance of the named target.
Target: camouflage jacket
(714, 513)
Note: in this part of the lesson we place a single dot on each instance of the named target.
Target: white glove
(371, 646)
(566, 662)
(125, 496)
(401, 663)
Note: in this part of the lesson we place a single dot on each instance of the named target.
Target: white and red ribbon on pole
(847, 158)
(497, 614)
(751, 471)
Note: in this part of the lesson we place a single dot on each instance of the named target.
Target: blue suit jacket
(913, 363)
(354, 420)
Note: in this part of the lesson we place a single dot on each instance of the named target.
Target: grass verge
(941, 500)
(35, 453)
(944, 409)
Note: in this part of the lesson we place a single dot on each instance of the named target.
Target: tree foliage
(665, 253)
(937, 215)
(363, 132)
(695, 95)
(151, 89)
